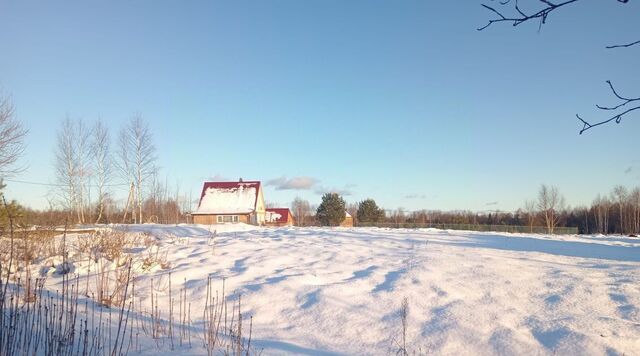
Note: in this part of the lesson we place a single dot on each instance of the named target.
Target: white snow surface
(322, 291)
(241, 200)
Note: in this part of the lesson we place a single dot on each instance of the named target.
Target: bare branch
(617, 117)
(12, 135)
(624, 45)
(549, 6)
(625, 101)
(541, 14)
(522, 16)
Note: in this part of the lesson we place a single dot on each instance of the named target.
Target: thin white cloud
(295, 183)
(217, 178)
(415, 196)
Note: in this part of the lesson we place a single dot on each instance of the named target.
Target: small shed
(348, 220)
(278, 217)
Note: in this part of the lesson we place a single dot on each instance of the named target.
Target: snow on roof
(277, 215)
(228, 198)
(347, 215)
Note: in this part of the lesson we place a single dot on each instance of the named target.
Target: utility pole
(126, 208)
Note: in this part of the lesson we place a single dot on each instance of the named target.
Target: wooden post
(126, 208)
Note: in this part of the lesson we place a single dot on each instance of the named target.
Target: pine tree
(369, 212)
(12, 208)
(331, 211)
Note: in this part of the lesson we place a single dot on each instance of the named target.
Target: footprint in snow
(625, 309)
(311, 299)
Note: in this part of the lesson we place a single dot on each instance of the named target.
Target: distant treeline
(157, 209)
(614, 213)
(584, 219)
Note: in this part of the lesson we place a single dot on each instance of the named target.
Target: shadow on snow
(553, 247)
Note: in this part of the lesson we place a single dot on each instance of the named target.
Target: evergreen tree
(12, 209)
(369, 212)
(331, 211)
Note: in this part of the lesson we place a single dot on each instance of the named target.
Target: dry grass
(108, 316)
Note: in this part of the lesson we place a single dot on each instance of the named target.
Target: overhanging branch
(624, 45)
(617, 118)
(519, 16)
(522, 16)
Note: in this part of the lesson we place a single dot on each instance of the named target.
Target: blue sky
(401, 101)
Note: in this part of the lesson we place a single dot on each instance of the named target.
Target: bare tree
(110, 207)
(634, 200)
(66, 165)
(530, 210)
(601, 206)
(160, 206)
(137, 157)
(352, 209)
(124, 169)
(512, 12)
(301, 210)
(12, 135)
(549, 203)
(620, 197)
(398, 216)
(82, 140)
(100, 149)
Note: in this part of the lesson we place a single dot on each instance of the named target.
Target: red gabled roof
(231, 185)
(283, 212)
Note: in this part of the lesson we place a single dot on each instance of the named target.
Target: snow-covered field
(322, 291)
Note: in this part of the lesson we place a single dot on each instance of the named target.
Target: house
(348, 220)
(230, 202)
(279, 217)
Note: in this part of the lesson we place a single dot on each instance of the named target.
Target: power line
(59, 185)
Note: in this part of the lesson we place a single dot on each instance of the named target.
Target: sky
(404, 102)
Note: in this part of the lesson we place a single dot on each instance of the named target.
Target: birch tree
(530, 210)
(123, 167)
(101, 163)
(301, 210)
(65, 164)
(620, 197)
(137, 157)
(601, 206)
(72, 169)
(634, 200)
(82, 140)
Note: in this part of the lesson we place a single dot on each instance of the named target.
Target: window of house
(228, 219)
